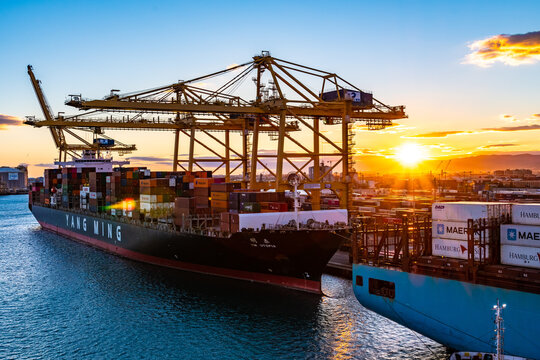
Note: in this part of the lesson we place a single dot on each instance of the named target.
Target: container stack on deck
(52, 181)
(187, 199)
(449, 230)
(71, 182)
(157, 197)
(202, 193)
(220, 193)
(98, 187)
(520, 241)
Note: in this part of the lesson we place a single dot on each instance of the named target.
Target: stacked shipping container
(520, 241)
(449, 226)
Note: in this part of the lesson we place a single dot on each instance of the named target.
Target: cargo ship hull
(292, 259)
(454, 313)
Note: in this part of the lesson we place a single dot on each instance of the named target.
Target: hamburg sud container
(520, 241)
(449, 226)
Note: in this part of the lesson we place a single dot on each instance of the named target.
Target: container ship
(188, 220)
(442, 275)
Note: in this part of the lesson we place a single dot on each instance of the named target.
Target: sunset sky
(468, 72)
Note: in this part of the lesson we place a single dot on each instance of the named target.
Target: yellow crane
(57, 128)
(291, 106)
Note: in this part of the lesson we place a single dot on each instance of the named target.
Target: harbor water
(62, 299)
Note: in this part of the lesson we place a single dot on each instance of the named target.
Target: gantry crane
(57, 129)
(296, 109)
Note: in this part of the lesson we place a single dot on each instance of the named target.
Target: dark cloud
(8, 120)
(515, 128)
(497, 145)
(148, 158)
(508, 49)
(45, 165)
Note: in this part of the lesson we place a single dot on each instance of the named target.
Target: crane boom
(57, 126)
(58, 136)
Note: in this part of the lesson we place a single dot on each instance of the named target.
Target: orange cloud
(439, 134)
(515, 128)
(508, 49)
(8, 120)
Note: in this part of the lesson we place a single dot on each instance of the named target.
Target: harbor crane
(290, 122)
(58, 131)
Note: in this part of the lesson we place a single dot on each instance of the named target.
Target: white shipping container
(455, 249)
(146, 206)
(172, 182)
(93, 195)
(86, 189)
(455, 230)
(520, 235)
(526, 214)
(462, 211)
(520, 256)
(256, 220)
(148, 198)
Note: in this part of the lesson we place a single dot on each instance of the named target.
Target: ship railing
(397, 244)
(409, 246)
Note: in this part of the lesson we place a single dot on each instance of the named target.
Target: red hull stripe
(284, 281)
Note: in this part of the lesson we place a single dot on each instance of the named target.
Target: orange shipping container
(222, 204)
(220, 196)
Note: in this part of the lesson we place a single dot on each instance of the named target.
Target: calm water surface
(61, 299)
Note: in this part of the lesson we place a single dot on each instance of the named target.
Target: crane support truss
(59, 128)
(289, 126)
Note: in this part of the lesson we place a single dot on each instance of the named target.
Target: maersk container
(526, 214)
(520, 235)
(456, 249)
(454, 230)
(520, 256)
(464, 210)
(359, 98)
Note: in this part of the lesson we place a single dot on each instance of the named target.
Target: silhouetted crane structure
(58, 128)
(289, 123)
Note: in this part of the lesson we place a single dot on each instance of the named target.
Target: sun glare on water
(410, 154)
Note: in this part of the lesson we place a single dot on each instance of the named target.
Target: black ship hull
(289, 258)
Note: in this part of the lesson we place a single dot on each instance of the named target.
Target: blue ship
(457, 314)
(448, 300)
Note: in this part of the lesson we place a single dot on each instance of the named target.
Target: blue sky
(406, 52)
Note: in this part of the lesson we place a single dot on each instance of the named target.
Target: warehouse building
(13, 179)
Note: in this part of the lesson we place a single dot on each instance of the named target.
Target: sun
(410, 154)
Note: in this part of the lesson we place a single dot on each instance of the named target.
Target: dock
(340, 265)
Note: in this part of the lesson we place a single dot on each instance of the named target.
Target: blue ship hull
(454, 313)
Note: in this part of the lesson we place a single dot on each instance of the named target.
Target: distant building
(515, 173)
(12, 179)
(322, 169)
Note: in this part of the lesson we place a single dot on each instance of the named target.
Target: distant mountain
(472, 163)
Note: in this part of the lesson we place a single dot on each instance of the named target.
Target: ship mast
(499, 329)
